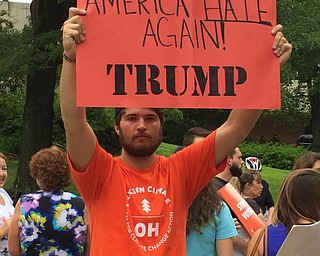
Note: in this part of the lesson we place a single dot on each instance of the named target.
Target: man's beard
(235, 170)
(147, 150)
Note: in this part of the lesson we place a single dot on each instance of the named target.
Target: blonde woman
(6, 207)
(249, 185)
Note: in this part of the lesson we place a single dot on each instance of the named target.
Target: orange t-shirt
(143, 212)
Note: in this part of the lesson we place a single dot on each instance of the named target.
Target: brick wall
(286, 133)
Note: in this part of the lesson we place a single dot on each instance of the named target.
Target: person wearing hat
(265, 200)
(138, 202)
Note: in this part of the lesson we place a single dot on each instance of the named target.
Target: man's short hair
(232, 152)
(118, 112)
(192, 133)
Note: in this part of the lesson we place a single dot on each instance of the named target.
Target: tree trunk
(37, 125)
(46, 15)
(315, 109)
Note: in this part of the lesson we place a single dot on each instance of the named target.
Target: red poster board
(241, 208)
(178, 53)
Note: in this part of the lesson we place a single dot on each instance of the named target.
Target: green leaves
(273, 155)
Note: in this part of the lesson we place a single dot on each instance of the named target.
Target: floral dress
(52, 223)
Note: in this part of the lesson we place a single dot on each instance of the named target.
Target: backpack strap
(265, 243)
(256, 245)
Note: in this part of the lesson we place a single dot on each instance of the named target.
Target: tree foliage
(301, 20)
(13, 52)
(42, 54)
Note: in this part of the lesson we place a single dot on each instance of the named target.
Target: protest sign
(178, 53)
(302, 240)
(241, 208)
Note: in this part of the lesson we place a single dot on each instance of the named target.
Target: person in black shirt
(265, 200)
(233, 168)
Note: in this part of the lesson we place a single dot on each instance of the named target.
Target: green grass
(273, 176)
(166, 149)
(12, 171)
(12, 166)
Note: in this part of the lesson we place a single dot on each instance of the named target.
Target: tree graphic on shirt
(146, 205)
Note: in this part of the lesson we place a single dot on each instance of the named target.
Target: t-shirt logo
(149, 217)
(146, 205)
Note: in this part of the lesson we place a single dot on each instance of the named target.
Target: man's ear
(229, 160)
(117, 129)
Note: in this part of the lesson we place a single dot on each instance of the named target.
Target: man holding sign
(138, 202)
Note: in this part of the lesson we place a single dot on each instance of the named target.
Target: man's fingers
(281, 47)
(73, 11)
(276, 29)
(286, 50)
(74, 29)
(277, 39)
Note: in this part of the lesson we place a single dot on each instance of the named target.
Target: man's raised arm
(80, 136)
(240, 121)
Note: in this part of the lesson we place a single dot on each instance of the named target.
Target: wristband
(68, 59)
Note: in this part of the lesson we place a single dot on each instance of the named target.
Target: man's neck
(138, 162)
(225, 175)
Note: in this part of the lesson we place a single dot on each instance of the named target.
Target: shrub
(11, 116)
(278, 156)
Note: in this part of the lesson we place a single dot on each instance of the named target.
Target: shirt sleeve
(196, 165)
(89, 183)
(225, 224)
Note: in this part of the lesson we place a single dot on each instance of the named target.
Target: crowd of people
(140, 203)
(54, 222)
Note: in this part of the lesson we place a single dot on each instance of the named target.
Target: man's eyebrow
(136, 114)
(130, 114)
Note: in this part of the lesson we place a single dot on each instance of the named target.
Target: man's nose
(141, 124)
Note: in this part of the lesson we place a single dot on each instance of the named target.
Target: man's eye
(150, 119)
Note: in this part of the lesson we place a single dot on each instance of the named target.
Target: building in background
(18, 13)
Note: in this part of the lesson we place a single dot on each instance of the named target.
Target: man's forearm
(237, 127)
(69, 110)
(243, 121)
(240, 244)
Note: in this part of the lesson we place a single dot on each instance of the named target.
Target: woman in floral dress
(49, 221)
